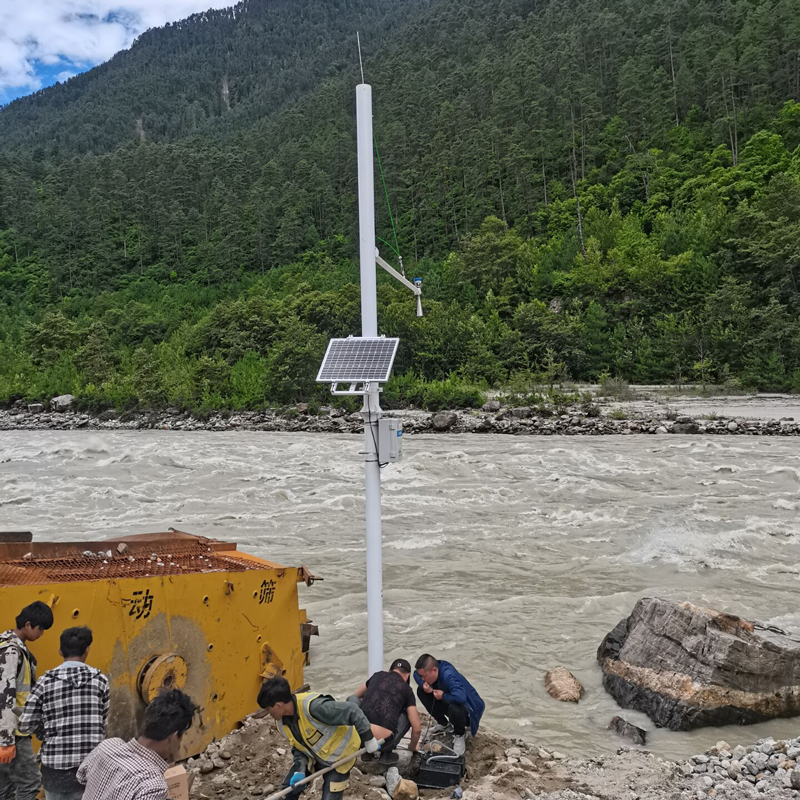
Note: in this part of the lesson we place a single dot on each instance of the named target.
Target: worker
(19, 773)
(68, 710)
(134, 770)
(388, 701)
(449, 698)
(321, 731)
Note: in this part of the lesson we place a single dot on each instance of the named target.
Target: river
(505, 555)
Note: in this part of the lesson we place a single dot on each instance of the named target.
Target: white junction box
(390, 440)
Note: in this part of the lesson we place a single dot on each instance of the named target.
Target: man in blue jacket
(449, 698)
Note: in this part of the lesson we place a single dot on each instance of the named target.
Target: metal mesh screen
(169, 561)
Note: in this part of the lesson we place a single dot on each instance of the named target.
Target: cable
(396, 247)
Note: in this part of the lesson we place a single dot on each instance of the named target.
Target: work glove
(295, 779)
(8, 754)
(373, 745)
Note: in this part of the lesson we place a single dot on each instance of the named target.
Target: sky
(44, 41)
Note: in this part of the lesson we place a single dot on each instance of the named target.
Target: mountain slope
(584, 189)
(213, 72)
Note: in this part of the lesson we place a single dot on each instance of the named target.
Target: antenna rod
(361, 63)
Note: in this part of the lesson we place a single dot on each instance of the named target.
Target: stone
(543, 754)
(206, 766)
(706, 782)
(687, 667)
(122, 548)
(406, 790)
(62, 402)
(226, 755)
(684, 427)
(733, 427)
(377, 780)
(794, 779)
(558, 756)
(628, 731)
(492, 406)
(563, 685)
(661, 429)
(739, 753)
(513, 752)
(444, 420)
(523, 412)
(35, 408)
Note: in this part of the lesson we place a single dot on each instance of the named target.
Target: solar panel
(358, 359)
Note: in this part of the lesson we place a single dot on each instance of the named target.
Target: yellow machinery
(167, 610)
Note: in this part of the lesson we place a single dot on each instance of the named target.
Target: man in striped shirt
(68, 710)
(134, 770)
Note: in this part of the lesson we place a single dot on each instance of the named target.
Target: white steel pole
(371, 410)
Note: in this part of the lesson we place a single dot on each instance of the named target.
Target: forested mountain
(210, 74)
(585, 188)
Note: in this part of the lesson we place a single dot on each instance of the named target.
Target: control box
(390, 440)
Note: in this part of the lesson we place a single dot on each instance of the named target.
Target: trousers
(333, 785)
(455, 713)
(21, 778)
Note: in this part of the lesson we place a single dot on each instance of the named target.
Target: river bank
(252, 761)
(587, 419)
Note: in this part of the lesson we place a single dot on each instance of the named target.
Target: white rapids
(505, 555)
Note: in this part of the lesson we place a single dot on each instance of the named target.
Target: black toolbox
(440, 771)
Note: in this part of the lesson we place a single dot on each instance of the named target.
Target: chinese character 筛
(267, 592)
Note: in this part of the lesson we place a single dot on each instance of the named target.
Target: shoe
(460, 745)
(389, 759)
(438, 729)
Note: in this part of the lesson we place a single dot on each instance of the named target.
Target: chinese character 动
(141, 604)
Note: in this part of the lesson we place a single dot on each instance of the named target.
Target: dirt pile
(252, 762)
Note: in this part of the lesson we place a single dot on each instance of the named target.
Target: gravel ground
(252, 761)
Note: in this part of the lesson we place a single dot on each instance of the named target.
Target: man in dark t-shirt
(388, 701)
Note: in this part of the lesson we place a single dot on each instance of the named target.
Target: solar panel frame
(358, 358)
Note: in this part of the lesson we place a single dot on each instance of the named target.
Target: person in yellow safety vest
(321, 731)
(19, 772)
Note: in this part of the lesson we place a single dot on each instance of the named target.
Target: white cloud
(77, 32)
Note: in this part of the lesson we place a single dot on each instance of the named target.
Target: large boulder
(62, 402)
(444, 420)
(687, 667)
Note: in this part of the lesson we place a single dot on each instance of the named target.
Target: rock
(35, 408)
(562, 684)
(558, 756)
(683, 420)
(684, 427)
(406, 790)
(377, 780)
(444, 420)
(629, 731)
(687, 667)
(543, 754)
(794, 779)
(492, 406)
(733, 427)
(392, 779)
(206, 766)
(62, 402)
(226, 755)
(513, 752)
(523, 412)
(122, 548)
(661, 429)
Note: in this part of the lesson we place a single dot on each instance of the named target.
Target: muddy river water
(504, 555)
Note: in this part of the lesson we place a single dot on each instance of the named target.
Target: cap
(400, 663)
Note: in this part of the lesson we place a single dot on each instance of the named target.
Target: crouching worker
(388, 701)
(321, 731)
(449, 698)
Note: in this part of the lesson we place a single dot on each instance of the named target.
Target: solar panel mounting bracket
(357, 388)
